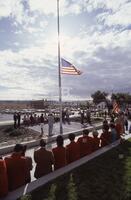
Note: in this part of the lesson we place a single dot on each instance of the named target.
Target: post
(59, 68)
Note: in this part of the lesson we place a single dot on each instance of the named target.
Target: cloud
(99, 46)
(25, 69)
(12, 8)
(119, 15)
(21, 16)
(6, 8)
(103, 58)
(65, 6)
(107, 4)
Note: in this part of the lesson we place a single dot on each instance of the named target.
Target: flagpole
(59, 68)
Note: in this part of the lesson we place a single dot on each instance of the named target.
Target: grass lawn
(107, 177)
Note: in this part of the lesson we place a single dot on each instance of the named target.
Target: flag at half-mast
(116, 108)
(68, 68)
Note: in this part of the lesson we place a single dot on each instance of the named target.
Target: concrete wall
(8, 149)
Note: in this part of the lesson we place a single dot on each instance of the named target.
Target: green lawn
(107, 177)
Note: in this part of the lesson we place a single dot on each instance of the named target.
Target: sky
(95, 36)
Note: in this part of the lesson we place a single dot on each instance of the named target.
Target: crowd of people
(66, 116)
(15, 170)
(34, 119)
(85, 116)
(29, 119)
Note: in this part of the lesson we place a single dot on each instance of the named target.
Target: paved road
(73, 126)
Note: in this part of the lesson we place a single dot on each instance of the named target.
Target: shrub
(72, 194)
(52, 193)
(26, 197)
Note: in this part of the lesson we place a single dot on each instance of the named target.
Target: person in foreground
(3, 179)
(85, 143)
(72, 149)
(59, 153)
(29, 164)
(44, 160)
(95, 141)
(16, 168)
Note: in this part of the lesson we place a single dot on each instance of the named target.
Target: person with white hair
(42, 120)
(50, 124)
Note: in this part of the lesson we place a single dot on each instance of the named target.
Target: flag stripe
(73, 73)
(68, 70)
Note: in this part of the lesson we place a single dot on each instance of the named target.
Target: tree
(72, 194)
(26, 197)
(121, 97)
(99, 97)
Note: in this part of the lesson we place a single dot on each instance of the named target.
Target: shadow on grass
(107, 177)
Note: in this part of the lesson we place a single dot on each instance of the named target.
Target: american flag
(116, 108)
(68, 68)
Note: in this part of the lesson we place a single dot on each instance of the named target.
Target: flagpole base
(61, 130)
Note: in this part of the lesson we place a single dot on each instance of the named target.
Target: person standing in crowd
(130, 129)
(105, 113)
(88, 116)
(122, 119)
(59, 153)
(105, 137)
(63, 116)
(44, 160)
(119, 126)
(50, 124)
(29, 164)
(16, 168)
(42, 120)
(31, 120)
(85, 143)
(25, 120)
(19, 119)
(67, 116)
(35, 119)
(95, 141)
(126, 122)
(82, 116)
(72, 149)
(3, 179)
(15, 119)
(105, 124)
(112, 120)
(114, 135)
